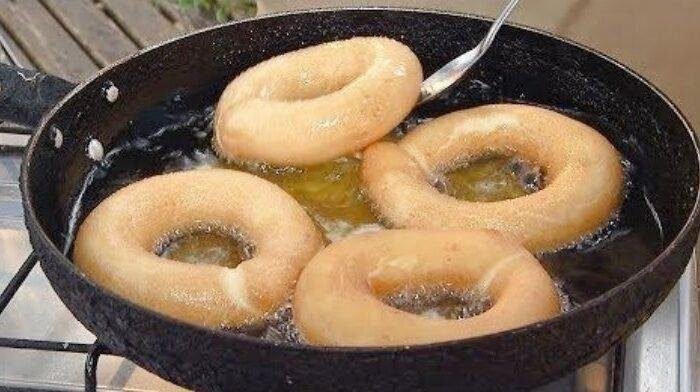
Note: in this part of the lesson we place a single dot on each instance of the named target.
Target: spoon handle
(453, 71)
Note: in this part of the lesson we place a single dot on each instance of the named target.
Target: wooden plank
(46, 42)
(98, 34)
(13, 51)
(141, 20)
(4, 58)
(185, 20)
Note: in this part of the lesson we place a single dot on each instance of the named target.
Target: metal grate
(93, 350)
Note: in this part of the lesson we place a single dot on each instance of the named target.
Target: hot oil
(442, 302)
(207, 245)
(175, 137)
(330, 192)
(279, 327)
(490, 178)
(616, 251)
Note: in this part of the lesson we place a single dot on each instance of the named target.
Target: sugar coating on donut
(582, 182)
(115, 246)
(318, 103)
(338, 300)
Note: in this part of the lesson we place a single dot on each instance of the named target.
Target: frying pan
(523, 65)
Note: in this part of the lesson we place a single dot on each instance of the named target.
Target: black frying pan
(523, 65)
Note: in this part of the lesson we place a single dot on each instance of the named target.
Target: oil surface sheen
(207, 247)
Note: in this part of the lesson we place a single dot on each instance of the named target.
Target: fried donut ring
(337, 300)
(319, 103)
(583, 176)
(115, 246)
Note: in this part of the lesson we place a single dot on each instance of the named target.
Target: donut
(115, 246)
(318, 103)
(582, 184)
(338, 299)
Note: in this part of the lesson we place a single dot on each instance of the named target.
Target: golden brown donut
(583, 176)
(116, 242)
(319, 103)
(337, 301)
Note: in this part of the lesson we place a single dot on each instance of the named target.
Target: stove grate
(93, 351)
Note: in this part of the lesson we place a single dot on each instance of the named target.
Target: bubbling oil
(174, 137)
(490, 178)
(210, 245)
(332, 195)
(278, 327)
(443, 302)
(330, 192)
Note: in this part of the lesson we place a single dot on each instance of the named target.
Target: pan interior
(177, 136)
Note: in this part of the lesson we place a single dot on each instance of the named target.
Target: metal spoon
(453, 71)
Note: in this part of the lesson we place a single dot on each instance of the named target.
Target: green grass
(222, 10)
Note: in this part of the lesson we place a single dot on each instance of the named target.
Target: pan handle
(26, 95)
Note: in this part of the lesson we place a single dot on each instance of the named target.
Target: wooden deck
(74, 38)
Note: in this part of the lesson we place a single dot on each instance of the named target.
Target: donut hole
(490, 178)
(441, 302)
(207, 245)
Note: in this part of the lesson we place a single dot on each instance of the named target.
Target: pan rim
(38, 231)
